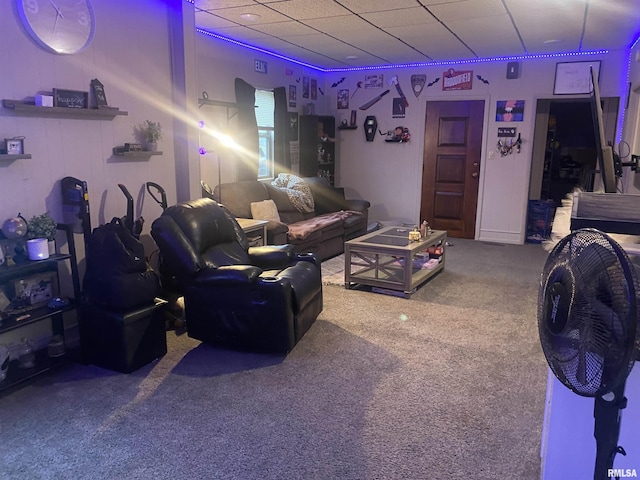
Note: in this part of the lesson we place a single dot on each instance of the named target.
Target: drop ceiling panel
(216, 4)
(264, 15)
(364, 6)
(400, 17)
(502, 41)
(307, 9)
(561, 31)
(242, 33)
(610, 25)
(208, 21)
(285, 29)
(450, 12)
(337, 28)
(522, 8)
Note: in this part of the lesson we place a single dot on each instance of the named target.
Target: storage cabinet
(21, 318)
(317, 146)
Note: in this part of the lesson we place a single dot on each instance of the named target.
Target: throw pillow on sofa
(265, 210)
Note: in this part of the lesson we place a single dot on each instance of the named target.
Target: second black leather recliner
(255, 299)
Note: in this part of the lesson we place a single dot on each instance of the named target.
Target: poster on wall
(305, 87)
(343, 99)
(457, 80)
(293, 96)
(314, 89)
(374, 81)
(509, 110)
(398, 107)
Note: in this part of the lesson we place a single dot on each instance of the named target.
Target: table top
(250, 223)
(395, 237)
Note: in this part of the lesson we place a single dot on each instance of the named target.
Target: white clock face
(60, 26)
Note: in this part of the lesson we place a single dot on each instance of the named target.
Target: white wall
(218, 64)
(389, 175)
(130, 55)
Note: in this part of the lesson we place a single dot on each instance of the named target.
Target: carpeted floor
(449, 384)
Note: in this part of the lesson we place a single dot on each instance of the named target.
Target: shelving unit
(17, 107)
(318, 152)
(10, 273)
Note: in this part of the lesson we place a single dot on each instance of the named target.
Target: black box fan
(589, 328)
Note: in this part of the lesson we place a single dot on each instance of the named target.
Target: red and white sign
(457, 80)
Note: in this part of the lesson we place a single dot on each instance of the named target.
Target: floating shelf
(11, 157)
(347, 127)
(135, 154)
(18, 107)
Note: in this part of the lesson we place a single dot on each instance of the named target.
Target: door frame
(483, 154)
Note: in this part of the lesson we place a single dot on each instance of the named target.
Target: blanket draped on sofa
(297, 190)
(301, 230)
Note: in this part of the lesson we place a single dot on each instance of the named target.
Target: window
(264, 118)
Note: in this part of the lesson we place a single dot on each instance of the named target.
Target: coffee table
(387, 260)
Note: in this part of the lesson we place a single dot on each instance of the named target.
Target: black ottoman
(123, 341)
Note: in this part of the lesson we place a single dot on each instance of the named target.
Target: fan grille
(587, 313)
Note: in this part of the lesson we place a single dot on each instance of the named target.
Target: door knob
(475, 164)
(474, 174)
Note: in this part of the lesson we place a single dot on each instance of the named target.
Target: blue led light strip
(401, 65)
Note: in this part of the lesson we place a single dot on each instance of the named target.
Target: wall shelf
(347, 127)
(135, 154)
(7, 158)
(17, 107)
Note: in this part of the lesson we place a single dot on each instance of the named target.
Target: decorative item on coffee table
(149, 132)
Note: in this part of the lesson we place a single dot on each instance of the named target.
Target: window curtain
(282, 158)
(246, 133)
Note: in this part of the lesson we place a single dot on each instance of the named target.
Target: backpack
(117, 274)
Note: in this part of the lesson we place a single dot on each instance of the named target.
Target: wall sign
(260, 66)
(457, 80)
(70, 98)
(574, 77)
(506, 131)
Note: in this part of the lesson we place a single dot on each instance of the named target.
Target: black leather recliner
(254, 299)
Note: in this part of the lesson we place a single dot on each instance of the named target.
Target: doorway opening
(564, 152)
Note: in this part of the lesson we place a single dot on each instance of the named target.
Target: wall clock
(59, 26)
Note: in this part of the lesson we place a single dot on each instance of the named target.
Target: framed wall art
(573, 78)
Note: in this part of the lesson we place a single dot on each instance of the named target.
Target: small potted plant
(43, 226)
(150, 132)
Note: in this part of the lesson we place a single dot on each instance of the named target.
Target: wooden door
(451, 166)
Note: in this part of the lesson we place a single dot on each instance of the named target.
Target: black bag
(117, 274)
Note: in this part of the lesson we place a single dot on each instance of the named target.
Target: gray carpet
(449, 384)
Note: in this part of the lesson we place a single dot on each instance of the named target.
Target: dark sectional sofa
(323, 231)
